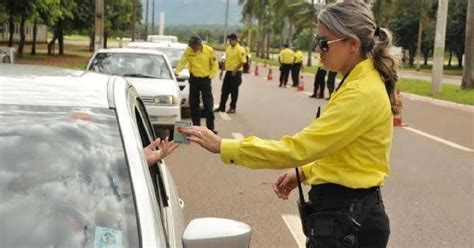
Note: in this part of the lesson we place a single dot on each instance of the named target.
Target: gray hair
(354, 19)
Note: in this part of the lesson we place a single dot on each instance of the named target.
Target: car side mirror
(216, 232)
(182, 78)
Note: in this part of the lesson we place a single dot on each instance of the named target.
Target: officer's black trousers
(331, 81)
(336, 208)
(295, 73)
(284, 73)
(201, 87)
(319, 82)
(230, 86)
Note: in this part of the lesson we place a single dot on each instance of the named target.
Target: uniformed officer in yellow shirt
(202, 67)
(344, 154)
(234, 60)
(285, 59)
(297, 65)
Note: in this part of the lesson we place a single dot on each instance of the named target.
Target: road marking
(294, 224)
(446, 142)
(224, 116)
(307, 93)
(238, 136)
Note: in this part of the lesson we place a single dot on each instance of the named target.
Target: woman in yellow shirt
(345, 153)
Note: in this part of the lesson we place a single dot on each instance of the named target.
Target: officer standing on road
(202, 67)
(297, 65)
(286, 62)
(234, 60)
(345, 153)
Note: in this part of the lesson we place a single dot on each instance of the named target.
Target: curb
(438, 102)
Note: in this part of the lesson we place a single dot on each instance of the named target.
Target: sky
(183, 12)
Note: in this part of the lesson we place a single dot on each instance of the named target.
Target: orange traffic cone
(397, 119)
(301, 83)
(256, 71)
(270, 74)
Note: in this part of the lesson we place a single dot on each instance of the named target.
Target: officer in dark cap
(202, 67)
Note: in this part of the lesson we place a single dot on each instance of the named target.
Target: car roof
(130, 50)
(50, 86)
(157, 45)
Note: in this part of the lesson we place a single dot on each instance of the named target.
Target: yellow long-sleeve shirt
(348, 145)
(234, 56)
(286, 56)
(298, 57)
(201, 63)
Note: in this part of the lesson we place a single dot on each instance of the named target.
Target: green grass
(77, 66)
(449, 92)
(447, 70)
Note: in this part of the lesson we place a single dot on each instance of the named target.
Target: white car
(174, 52)
(151, 74)
(74, 172)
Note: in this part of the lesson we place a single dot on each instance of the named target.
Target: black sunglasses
(323, 43)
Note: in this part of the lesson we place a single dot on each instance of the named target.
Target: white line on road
(224, 116)
(446, 142)
(238, 136)
(307, 93)
(294, 224)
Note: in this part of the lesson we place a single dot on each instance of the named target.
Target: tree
(66, 10)
(468, 72)
(405, 24)
(457, 28)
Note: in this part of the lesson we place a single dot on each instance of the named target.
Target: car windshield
(131, 65)
(174, 54)
(64, 179)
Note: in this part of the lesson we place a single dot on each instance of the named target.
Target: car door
(165, 188)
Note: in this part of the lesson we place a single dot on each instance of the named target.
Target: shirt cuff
(229, 151)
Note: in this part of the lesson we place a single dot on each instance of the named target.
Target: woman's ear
(354, 45)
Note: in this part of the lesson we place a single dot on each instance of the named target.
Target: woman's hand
(202, 136)
(286, 183)
(165, 148)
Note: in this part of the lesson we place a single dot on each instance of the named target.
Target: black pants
(201, 87)
(295, 73)
(344, 217)
(230, 86)
(331, 82)
(284, 73)
(319, 82)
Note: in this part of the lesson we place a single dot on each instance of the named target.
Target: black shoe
(313, 96)
(231, 111)
(218, 110)
(214, 131)
(279, 85)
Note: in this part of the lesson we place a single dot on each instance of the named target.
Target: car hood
(154, 87)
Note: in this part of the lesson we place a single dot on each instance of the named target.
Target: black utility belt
(326, 196)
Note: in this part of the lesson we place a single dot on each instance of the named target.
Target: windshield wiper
(138, 75)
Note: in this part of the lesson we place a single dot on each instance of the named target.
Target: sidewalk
(456, 80)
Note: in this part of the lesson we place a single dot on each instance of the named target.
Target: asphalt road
(428, 196)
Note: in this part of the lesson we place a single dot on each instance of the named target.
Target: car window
(64, 179)
(147, 135)
(174, 54)
(131, 65)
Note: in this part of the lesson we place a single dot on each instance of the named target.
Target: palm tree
(468, 77)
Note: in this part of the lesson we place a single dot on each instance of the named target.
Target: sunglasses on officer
(323, 43)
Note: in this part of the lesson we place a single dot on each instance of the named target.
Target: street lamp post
(226, 17)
